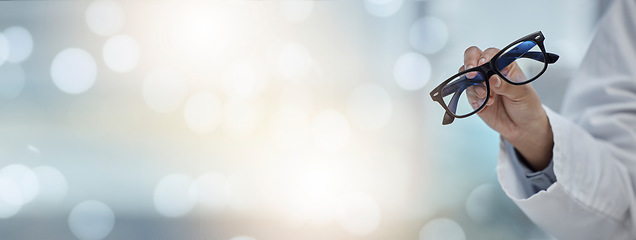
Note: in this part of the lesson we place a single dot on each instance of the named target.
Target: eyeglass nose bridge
(487, 69)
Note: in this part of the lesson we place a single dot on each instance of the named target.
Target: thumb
(517, 93)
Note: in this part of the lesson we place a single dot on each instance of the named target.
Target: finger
(510, 91)
(462, 68)
(491, 99)
(472, 98)
(476, 96)
(486, 55)
(471, 56)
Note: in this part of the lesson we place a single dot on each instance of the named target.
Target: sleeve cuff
(537, 180)
(518, 181)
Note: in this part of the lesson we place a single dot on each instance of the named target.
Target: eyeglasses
(528, 53)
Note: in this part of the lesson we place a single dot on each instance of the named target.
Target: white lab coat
(594, 155)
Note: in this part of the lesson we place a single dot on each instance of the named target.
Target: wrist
(535, 143)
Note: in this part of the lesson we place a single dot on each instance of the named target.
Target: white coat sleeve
(594, 153)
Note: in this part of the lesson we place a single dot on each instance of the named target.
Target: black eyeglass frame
(487, 70)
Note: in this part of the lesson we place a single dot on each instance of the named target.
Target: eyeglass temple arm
(509, 57)
(458, 88)
(460, 85)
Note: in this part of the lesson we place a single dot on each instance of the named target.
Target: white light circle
(20, 43)
(164, 89)
(412, 71)
(290, 128)
(242, 238)
(295, 62)
(369, 107)
(10, 198)
(12, 80)
(91, 220)
(105, 17)
(53, 185)
(240, 117)
(121, 53)
(5, 49)
(442, 228)
(479, 202)
(330, 130)
(24, 178)
(360, 214)
(428, 35)
(296, 11)
(240, 80)
(174, 196)
(203, 112)
(213, 190)
(383, 8)
(297, 94)
(73, 71)
(246, 192)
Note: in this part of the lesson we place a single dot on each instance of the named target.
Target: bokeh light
(297, 101)
(331, 130)
(242, 79)
(91, 220)
(174, 195)
(74, 71)
(428, 35)
(383, 8)
(295, 62)
(360, 213)
(290, 127)
(246, 192)
(312, 196)
(213, 190)
(10, 197)
(412, 71)
(5, 50)
(20, 43)
(201, 34)
(24, 178)
(296, 11)
(121, 53)
(53, 186)
(164, 89)
(369, 107)
(12, 80)
(203, 112)
(240, 118)
(105, 17)
(442, 228)
(290, 122)
(479, 203)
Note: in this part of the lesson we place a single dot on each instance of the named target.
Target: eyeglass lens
(527, 56)
(461, 95)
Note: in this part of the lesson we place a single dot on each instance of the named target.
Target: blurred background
(259, 120)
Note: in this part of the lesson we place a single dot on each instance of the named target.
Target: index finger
(471, 56)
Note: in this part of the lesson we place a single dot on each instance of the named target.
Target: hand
(515, 111)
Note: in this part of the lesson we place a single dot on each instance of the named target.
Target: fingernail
(469, 67)
(498, 82)
(482, 61)
(475, 106)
